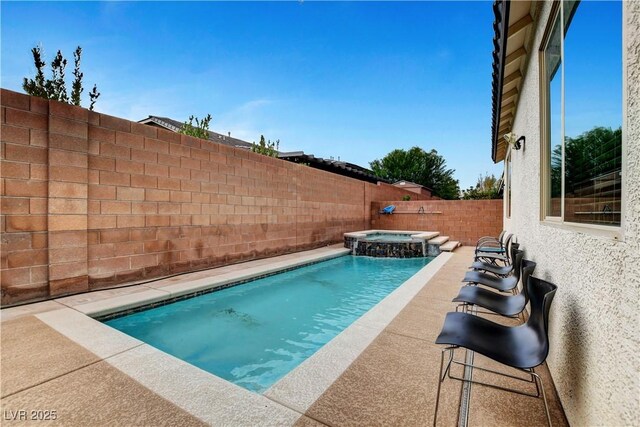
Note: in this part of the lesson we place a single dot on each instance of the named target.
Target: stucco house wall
(594, 326)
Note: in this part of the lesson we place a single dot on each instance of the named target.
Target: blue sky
(348, 80)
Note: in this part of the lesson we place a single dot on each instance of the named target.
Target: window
(581, 65)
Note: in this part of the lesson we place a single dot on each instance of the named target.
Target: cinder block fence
(462, 220)
(91, 201)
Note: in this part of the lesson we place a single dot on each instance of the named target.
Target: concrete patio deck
(56, 358)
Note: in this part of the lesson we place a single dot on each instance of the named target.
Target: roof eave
(501, 28)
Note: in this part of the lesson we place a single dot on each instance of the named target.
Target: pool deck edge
(201, 394)
(301, 387)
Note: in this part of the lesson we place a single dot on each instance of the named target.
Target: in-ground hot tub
(392, 243)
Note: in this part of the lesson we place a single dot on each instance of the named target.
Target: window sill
(604, 231)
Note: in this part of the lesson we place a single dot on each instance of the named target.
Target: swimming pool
(255, 333)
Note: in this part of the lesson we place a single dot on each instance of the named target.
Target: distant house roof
(404, 183)
(175, 126)
(331, 165)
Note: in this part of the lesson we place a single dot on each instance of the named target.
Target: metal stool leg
(441, 377)
(544, 396)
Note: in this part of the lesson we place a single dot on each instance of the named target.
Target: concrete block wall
(24, 187)
(91, 201)
(462, 220)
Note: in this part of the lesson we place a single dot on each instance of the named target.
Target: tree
(55, 87)
(487, 187)
(76, 87)
(201, 128)
(417, 165)
(267, 148)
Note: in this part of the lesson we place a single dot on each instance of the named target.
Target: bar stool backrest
(541, 295)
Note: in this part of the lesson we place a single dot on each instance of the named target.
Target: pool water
(388, 237)
(255, 333)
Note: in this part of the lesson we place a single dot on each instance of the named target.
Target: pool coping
(211, 398)
(301, 387)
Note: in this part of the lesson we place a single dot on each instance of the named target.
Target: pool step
(427, 235)
(450, 246)
(440, 240)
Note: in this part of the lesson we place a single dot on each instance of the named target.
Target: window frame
(615, 232)
(508, 171)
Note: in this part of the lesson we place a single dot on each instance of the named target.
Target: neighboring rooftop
(330, 165)
(413, 187)
(175, 126)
